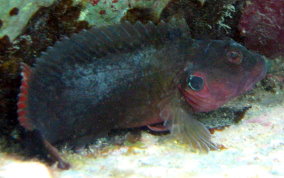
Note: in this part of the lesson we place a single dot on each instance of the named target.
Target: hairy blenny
(131, 75)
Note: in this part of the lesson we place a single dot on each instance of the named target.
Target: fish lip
(265, 68)
(250, 83)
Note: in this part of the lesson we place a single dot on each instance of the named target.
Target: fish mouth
(259, 72)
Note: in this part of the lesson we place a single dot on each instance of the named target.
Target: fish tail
(23, 97)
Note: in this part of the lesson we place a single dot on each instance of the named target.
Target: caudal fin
(23, 97)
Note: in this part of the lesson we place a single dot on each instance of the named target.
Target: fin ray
(89, 45)
(187, 129)
(22, 97)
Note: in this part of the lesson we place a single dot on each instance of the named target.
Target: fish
(131, 75)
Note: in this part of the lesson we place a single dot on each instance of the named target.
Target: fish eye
(195, 83)
(234, 57)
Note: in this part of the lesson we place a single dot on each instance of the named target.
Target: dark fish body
(126, 75)
(82, 94)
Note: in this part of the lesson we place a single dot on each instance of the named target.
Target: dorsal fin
(22, 97)
(124, 37)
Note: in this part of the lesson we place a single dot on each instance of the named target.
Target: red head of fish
(219, 72)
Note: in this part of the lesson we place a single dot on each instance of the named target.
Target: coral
(15, 14)
(104, 12)
(262, 26)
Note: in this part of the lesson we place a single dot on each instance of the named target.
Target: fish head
(219, 71)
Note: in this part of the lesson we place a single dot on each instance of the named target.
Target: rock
(262, 26)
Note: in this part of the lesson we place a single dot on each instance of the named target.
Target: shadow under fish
(132, 75)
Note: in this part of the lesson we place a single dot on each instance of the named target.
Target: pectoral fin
(185, 128)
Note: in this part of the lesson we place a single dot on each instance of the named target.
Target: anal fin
(160, 127)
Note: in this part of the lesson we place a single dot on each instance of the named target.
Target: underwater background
(253, 139)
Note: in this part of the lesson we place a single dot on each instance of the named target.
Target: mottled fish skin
(78, 88)
(126, 75)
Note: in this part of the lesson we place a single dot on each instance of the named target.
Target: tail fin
(23, 97)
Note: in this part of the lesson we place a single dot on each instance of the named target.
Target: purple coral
(262, 26)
